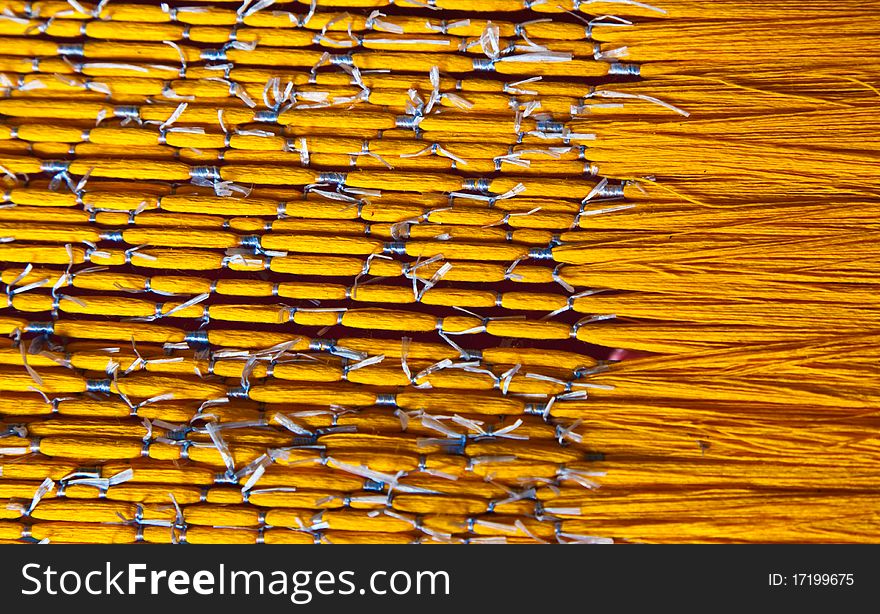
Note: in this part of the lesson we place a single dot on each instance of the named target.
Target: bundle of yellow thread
(363, 271)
